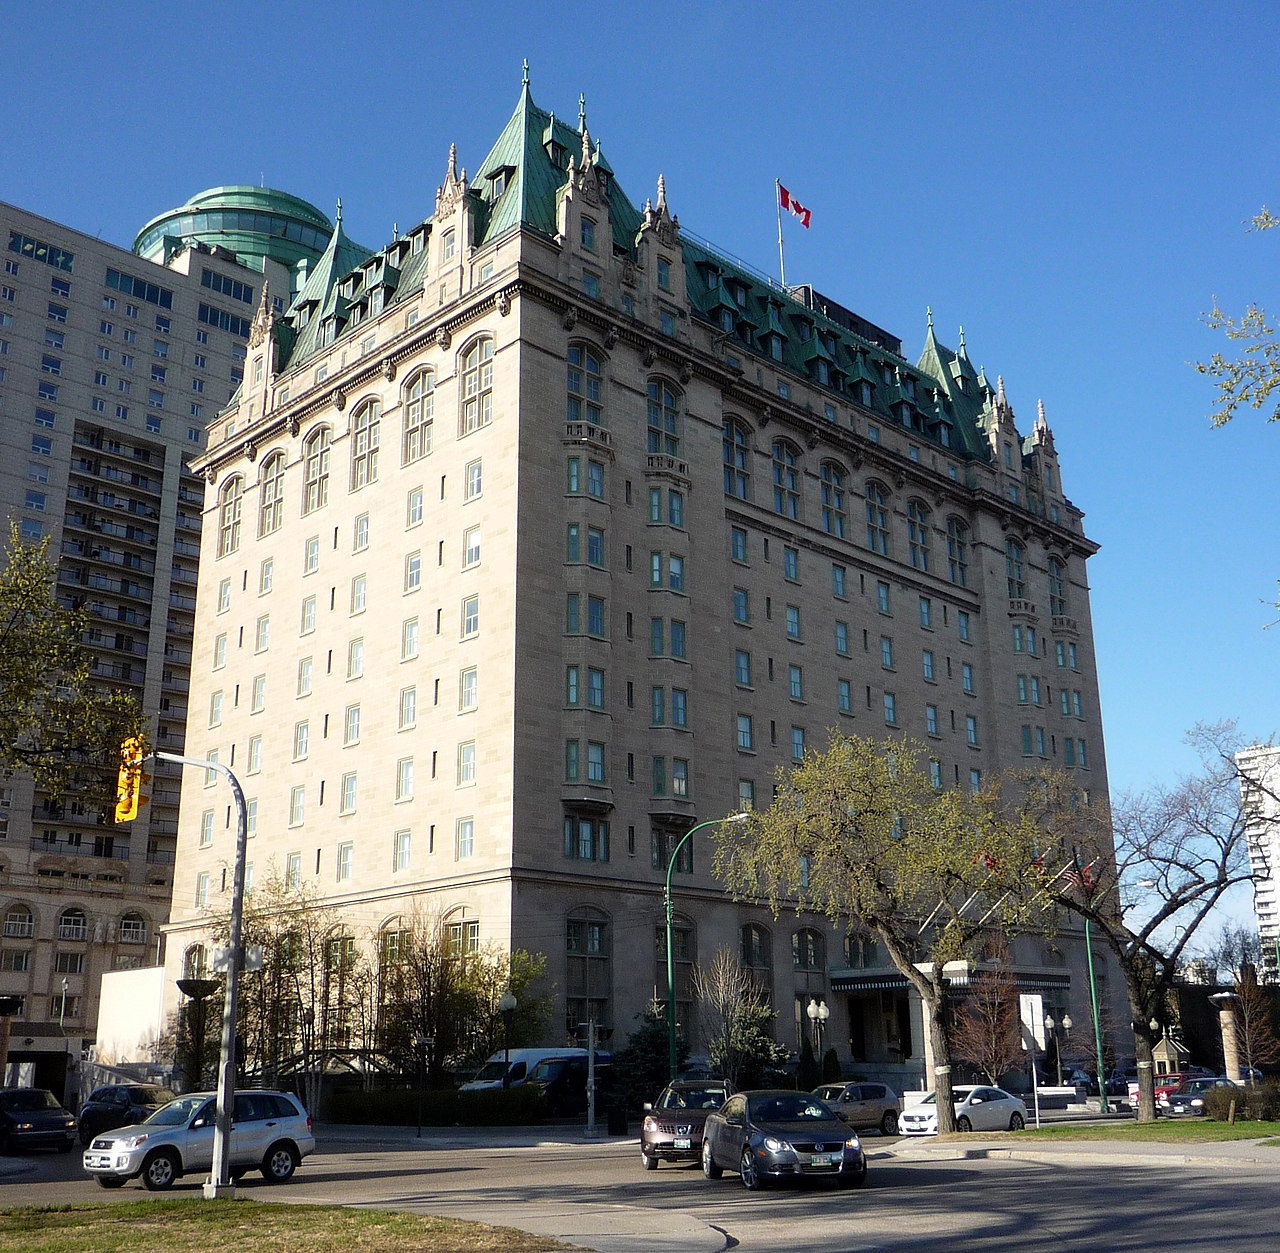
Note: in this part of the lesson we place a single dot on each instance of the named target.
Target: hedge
(444, 1107)
(1259, 1103)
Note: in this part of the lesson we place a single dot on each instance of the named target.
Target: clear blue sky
(1069, 182)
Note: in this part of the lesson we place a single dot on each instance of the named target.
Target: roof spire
(928, 313)
(582, 110)
(524, 82)
(963, 351)
(662, 193)
(1000, 396)
(453, 161)
(337, 220)
(1040, 418)
(586, 146)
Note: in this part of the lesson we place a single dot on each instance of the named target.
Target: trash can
(617, 1120)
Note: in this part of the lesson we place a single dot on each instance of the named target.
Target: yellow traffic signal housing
(129, 780)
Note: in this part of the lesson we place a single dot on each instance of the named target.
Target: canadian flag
(792, 205)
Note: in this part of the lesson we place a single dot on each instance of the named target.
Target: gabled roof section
(534, 150)
(319, 297)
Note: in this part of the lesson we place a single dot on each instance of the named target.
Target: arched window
(588, 947)
(877, 519)
(419, 414)
(73, 925)
(271, 494)
(230, 499)
(737, 460)
(1057, 588)
(365, 425)
(958, 552)
(918, 534)
(195, 962)
(585, 386)
(315, 470)
(133, 929)
(786, 480)
(1013, 569)
(477, 386)
(664, 419)
(18, 923)
(808, 950)
(833, 505)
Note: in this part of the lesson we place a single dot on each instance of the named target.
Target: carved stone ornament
(627, 272)
(811, 440)
(610, 336)
(504, 303)
(570, 319)
(686, 373)
(211, 475)
(294, 426)
(899, 480)
(766, 415)
(855, 459)
(443, 338)
(389, 370)
(649, 357)
(250, 450)
(339, 398)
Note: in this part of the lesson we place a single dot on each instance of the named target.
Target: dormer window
(775, 347)
(713, 280)
(824, 373)
(664, 274)
(864, 394)
(588, 234)
(449, 245)
(726, 321)
(909, 386)
(499, 184)
(805, 332)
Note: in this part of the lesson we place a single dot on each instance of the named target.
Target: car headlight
(650, 1125)
(775, 1145)
(129, 1143)
(1197, 1101)
(22, 1126)
(853, 1143)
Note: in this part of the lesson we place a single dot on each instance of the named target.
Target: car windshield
(784, 1108)
(30, 1099)
(547, 1070)
(182, 1110)
(693, 1098)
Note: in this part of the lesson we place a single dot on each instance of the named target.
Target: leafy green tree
(860, 834)
(56, 721)
(809, 1073)
(640, 1066)
(830, 1066)
(1251, 378)
(736, 1020)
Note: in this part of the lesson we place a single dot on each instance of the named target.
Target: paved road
(597, 1196)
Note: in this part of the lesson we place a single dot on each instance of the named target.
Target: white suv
(270, 1132)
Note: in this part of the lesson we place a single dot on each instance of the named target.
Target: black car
(120, 1105)
(776, 1135)
(32, 1118)
(672, 1127)
(563, 1083)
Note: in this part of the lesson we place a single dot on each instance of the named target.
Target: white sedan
(977, 1109)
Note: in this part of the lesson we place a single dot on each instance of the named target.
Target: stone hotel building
(547, 530)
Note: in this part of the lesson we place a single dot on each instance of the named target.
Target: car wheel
(1016, 1121)
(111, 1181)
(280, 1163)
(751, 1177)
(709, 1167)
(856, 1178)
(889, 1123)
(649, 1163)
(159, 1171)
(963, 1123)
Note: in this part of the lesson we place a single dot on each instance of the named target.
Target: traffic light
(129, 780)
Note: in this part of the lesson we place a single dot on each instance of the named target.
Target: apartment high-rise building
(548, 530)
(111, 366)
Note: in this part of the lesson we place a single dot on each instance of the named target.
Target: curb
(1093, 1156)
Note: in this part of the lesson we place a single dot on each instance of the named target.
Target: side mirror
(648, 1107)
(200, 1122)
(975, 1100)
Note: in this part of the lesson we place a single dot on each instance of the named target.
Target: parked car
(522, 1061)
(563, 1082)
(270, 1132)
(775, 1135)
(672, 1127)
(864, 1104)
(977, 1109)
(120, 1105)
(33, 1118)
(1188, 1099)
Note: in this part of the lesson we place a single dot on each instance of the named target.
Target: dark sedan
(776, 1135)
(1189, 1098)
(120, 1105)
(672, 1128)
(31, 1118)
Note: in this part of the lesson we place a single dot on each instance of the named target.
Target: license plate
(820, 1159)
(683, 1142)
(100, 1160)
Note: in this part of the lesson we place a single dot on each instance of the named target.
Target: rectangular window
(677, 638)
(254, 764)
(206, 828)
(408, 707)
(745, 733)
(355, 659)
(305, 668)
(400, 856)
(413, 507)
(844, 696)
(595, 479)
(791, 563)
(926, 612)
(931, 719)
(658, 706)
(474, 480)
(595, 688)
(738, 544)
(471, 547)
(297, 805)
(470, 617)
(882, 597)
(795, 682)
(346, 851)
(886, 652)
(572, 613)
(351, 725)
(741, 609)
(311, 555)
(595, 616)
(308, 615)
(797, 743)
(657, 637)
(301, 740)
(359, 593)
(258, 699)
(838, 576)
(962, 624)
(404, 779)
(293, 872)
(926, 661)
(572, 750)
(409, 639)
(966, 678)
(413, 572)
(742, 667)
(793, 622)
(890, 709)
(466, 763)
(464, 838)
(595, 763)
(971, 729)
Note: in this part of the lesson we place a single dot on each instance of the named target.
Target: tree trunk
(932, 1007)
(1143, 1043)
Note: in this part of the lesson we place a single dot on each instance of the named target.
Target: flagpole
(782, 263)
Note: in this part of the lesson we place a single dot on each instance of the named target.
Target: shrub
(1259, 1103)
(441, 1107)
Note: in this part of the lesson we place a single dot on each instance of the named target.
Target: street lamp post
(197, 991)
(1052, 1027)
(507, 1008)
(421, 1043)
(1103, 1107)
(818, 1015)
(671, 963)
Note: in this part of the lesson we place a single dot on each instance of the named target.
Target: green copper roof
(253, 222)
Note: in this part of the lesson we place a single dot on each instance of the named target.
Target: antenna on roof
(524, 82)
(582, 110)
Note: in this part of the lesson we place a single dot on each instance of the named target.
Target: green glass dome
(253, 222)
